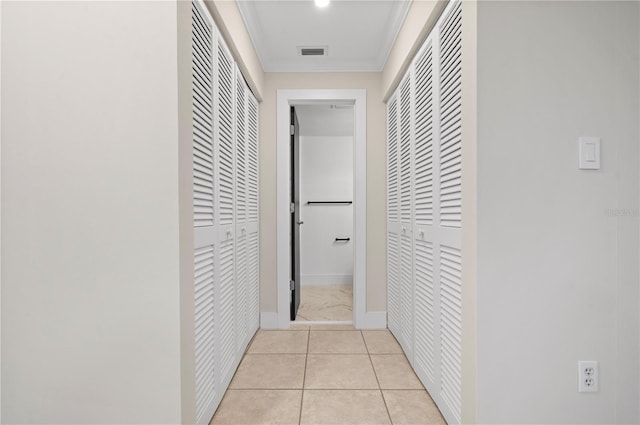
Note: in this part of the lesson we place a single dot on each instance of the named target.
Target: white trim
(326, 279)
(322, 322)
(252, 23)
(286, 98)
(374, 320)
(397, 17)
(249, 14)
(0, 212)
(268, 320)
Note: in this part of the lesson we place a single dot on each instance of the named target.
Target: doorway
(322, 213)
(285, 100)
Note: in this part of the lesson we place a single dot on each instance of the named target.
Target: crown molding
(325, 64)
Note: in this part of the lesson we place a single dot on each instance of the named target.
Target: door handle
(301, 222)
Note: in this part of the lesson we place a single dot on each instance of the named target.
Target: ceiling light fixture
(322, 3)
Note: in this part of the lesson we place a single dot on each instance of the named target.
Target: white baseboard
(269, 320)
(326, 279)
(374, 320)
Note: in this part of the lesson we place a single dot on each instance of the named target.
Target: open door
(295, 215)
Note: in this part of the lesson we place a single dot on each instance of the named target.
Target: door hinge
(292, 208)
(292, 130)
(292, 285)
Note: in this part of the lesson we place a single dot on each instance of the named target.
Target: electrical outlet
(588, 376)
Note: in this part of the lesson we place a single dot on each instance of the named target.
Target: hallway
(325, 375)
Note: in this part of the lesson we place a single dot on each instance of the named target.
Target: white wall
(326, 174)
(469, 212)
(557, 267)
(90, 248)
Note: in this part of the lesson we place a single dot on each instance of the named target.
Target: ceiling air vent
(312, 51)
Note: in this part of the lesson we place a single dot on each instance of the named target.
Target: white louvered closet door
(225, 205)
(246, 214)
(224, 91)
(406, 216)
(253, 292)
(427, 341)
(204, 219)
(241, 285)
(425, 198)
(450, 203)
(393, 219)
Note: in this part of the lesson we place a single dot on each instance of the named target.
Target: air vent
(312, 51)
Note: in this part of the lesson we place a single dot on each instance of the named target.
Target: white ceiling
(359, 33)
(325, 120)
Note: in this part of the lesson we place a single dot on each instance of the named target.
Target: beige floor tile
(298, 327)
(279, 342)
(394, 372)
(340, 371)
(381, 342)
(259, 407)
(412, 407)
(345, 407)
(264, 371)
(336, 342)
(326, 302)
(333, 328)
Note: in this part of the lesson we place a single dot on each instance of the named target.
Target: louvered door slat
(225, 172)
(425, 309)
(252, 159)
(201, 48)
(227, 308)
(241, 150)
(253, 292)
(241, 286)
(450, 31)
(451, 327)
(253, 276)
(202, 95)
(406, 295)
(240, 131)
(405, 151)
(393, 282)
(204, 329)
(393, 217)
(392, 162)
(423, 198)
(203, 25)
(224, 135)
(405, 130)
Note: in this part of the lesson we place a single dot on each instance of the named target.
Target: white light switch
(589, 153)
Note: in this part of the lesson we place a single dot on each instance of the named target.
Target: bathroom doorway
(361, 319)
(322, 171)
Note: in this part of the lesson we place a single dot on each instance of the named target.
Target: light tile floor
(326, 302)
(323, 375)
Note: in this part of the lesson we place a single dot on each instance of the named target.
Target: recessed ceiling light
(322, 3)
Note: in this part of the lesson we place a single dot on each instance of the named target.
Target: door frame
(286, 99)
(294, 182)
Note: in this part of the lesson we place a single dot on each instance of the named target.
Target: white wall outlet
(588, 376)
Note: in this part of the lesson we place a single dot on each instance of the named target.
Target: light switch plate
(589, 153)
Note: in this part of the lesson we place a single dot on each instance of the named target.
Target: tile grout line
(304, 375)
(377, 380)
